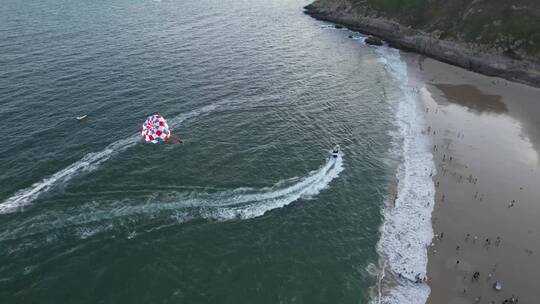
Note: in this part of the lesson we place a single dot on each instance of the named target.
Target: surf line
(407, 231)
(88, 163)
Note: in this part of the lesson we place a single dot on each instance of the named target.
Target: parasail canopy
(156, 130)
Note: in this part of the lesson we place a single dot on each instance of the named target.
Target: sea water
(251, 208)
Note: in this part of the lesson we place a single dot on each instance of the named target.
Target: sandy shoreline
(485, 133)
(486, 137)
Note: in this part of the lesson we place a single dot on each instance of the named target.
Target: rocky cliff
(493, 37)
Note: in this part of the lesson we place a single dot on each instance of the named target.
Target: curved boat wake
(127, 218)
(88, 163)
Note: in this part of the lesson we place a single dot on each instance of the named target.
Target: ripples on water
(249, 209)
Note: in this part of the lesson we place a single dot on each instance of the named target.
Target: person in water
(175, 139)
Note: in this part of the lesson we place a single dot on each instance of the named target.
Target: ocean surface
(250, 209)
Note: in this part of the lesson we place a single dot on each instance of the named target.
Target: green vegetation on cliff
(510, 26)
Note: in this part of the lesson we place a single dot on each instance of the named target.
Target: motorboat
(335, 151)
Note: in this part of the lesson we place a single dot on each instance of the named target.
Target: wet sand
(486, 146)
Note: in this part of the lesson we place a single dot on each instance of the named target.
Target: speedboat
(335, 151)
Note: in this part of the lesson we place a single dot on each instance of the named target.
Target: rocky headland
(497, 37)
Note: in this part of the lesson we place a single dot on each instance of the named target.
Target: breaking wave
(407, 229)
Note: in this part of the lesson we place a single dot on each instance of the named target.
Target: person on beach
(511, 300)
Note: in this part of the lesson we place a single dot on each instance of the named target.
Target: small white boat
(335, 151)
(81, 117)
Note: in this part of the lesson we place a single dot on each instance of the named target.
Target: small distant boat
(81, 117)
(335, 151)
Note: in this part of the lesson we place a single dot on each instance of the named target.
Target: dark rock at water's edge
(472, 56)
(310, 7)
(374, 40)
(338, 26)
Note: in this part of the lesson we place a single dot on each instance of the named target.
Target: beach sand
(486, 137)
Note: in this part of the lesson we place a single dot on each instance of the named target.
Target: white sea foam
(407, 230)
(242, 203)
(89, 162)
(257, 204)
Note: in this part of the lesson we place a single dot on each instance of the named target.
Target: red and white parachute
(156, 130)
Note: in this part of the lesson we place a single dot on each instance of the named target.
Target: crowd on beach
(476, 275)
(488, 243)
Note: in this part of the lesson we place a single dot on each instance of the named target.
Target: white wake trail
(88, 163)
(241, 203)
(257, 204)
